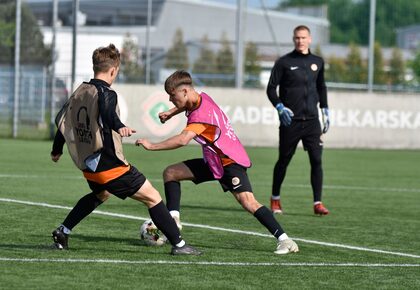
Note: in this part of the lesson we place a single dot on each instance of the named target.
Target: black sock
(173, 195)
(164, 222)
(266, 218)
(81, 210)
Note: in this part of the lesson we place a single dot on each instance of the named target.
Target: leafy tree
(397, 68)
(224, 57)
(130, 61)
(356, 70)
(336, 70)
(224, 62)
(350, 19)
(379, 76)
(206, 62)
(177, 56)
(287, 3)
(252, 66)
(32, 47)
(317, 51)
(415, 65)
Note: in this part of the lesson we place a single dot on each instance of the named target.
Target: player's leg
(172, 175)
(195, 170)
(148, 195)
(134, 184)
(160, 216)
(285, 245)
(82, 209)
(288, 140)
(235, 179)
(313, 143)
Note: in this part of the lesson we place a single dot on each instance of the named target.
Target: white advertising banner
(358, 120)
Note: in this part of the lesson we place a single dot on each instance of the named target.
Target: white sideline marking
(201, 263)
(343, 187)
(218, 229)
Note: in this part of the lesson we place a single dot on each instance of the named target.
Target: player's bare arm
(173, 142)
(165, 116)
(126, 131)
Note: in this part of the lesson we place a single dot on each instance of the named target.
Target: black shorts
(122, 187)
(309, 131)
(234, 179)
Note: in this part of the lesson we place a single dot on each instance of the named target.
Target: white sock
(275, 197)
(317, 202)
(180, 244)
(65, 230)
(174, 213)
(283, 237)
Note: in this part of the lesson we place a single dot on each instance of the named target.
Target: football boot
(320, 209)
(285, 247)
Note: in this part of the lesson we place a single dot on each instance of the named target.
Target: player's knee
(103, 195)
(248, 202)
(169, 174)
(316, 161)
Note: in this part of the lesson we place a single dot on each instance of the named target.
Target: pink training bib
(225, 138)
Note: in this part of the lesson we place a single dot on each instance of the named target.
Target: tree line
(217, 66)
(33, 49)
(350, 18)
(215, 63)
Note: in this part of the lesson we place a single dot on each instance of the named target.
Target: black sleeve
(58, 143)
(275, 77)
(322, 88)
(107, 108)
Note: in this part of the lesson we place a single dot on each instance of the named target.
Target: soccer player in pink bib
(224, 158)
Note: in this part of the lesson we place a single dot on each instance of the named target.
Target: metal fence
(36, 101)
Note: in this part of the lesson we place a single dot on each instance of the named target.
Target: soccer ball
(151, 235)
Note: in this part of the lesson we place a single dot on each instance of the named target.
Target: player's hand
(126, 131)
(325, 120)
(56, 157)
(285, 114)
(144, 142)
(164, 116)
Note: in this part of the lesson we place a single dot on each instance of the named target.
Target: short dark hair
(178, 78)
(104, 58)
(301, 27)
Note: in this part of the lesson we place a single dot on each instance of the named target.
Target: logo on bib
(235, 181)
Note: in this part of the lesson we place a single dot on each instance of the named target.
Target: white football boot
(285, 247)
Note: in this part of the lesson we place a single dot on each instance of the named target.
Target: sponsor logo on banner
(151, 107)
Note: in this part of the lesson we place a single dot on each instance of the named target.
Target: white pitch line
(219, 229)
(338, 187)
(201, 263)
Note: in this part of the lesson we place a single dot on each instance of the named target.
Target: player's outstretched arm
(165, 116)
(126, 131)
(171, 143)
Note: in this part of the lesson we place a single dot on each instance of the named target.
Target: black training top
(302, 85)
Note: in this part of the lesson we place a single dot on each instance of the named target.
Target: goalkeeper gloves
(325, 119)
(285, 114)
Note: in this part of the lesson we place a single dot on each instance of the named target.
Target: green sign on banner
(156, 109)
